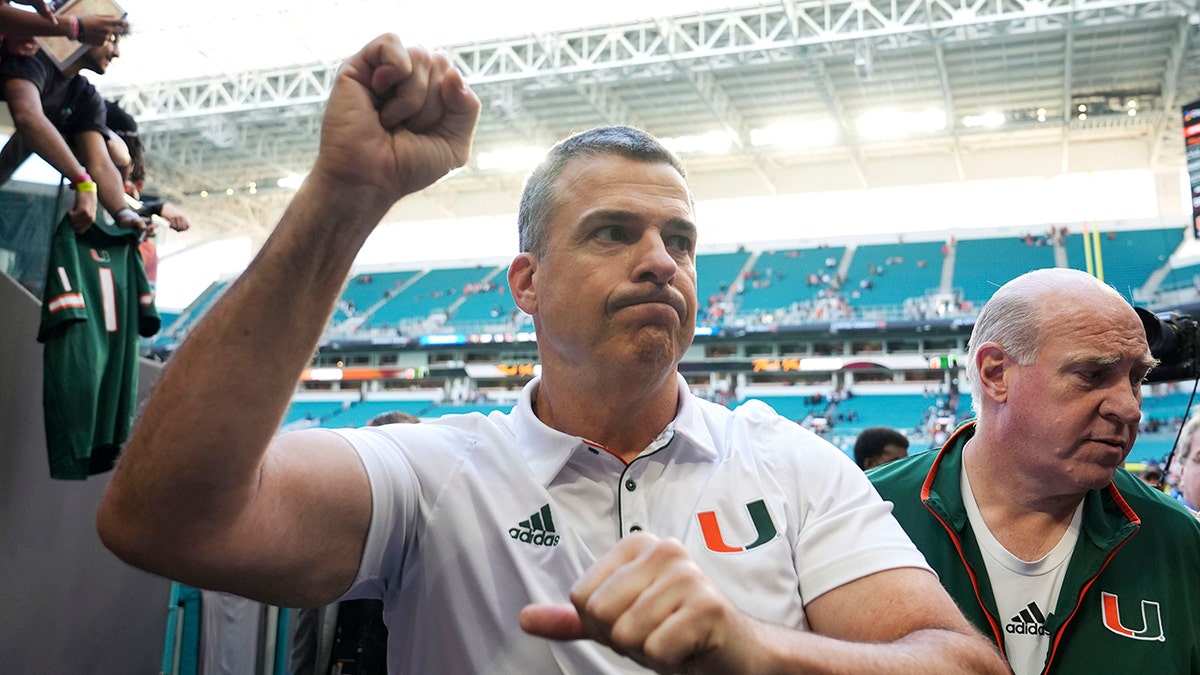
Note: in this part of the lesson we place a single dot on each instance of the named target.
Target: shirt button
(630, 485)
(635, 528)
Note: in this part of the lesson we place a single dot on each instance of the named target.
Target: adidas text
(1026, 629)
(535, 538)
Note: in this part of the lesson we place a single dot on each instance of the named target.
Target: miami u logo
(715, 541)
(1151, 619)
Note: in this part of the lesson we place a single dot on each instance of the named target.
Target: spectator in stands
(59, 115)
(1187, 466)
(126, 150)
(610, 485)
(1069, 561)
(877, 446)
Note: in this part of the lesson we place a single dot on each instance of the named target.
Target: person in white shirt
(611, 523)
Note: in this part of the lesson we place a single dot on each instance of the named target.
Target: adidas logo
(1029, 621)
(538, 530)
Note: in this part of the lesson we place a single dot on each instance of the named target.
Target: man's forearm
(49, 144)
(110, 187)
(782, 650)
(19, 21)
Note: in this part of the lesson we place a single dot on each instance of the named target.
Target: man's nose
(655, 263)
(1123, 403)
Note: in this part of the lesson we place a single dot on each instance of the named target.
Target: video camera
(1173, 339)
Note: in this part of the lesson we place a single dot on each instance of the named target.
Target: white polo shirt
(475, 517)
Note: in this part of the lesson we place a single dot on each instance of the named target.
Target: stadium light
(711, 143)
(815, 134)
(290, 181)
(889, 124)
(990, 120)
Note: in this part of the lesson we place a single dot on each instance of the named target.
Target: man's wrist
(83, 177)
(126, 213)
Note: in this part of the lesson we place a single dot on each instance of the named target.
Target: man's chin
(655, 344)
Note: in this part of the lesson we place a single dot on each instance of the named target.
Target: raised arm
(92, 29)
(205, 493)
(40, 135)
(648, 600)
(110, 187)
(25, 104)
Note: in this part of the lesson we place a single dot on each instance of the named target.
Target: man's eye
(611, 233)
(680, 242)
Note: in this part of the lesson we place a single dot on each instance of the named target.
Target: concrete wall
(67, 605)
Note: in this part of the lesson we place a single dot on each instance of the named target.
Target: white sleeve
(394, 508)
(849, 531)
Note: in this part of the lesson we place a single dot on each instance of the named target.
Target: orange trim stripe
(926, 491)
(67, 301)
(597, 446)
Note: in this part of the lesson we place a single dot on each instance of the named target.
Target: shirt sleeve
(30, 68)
(394, 505)
(850, 532)
(63, 300)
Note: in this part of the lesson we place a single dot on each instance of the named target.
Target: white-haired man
(1070, 563)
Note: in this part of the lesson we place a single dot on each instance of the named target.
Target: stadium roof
(866, 93)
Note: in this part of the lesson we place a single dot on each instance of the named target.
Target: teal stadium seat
(466, 408)
(310, 410)
(783, 277)
(363, 291)
(486, 306)
(1129, 257)
(1180, 278)
(714, 270)
(359, 414)
(983, 265)
(906, 277)
(435, 290)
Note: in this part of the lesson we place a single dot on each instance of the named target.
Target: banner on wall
(1191, 140)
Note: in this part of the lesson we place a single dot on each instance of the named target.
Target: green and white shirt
(475, 517)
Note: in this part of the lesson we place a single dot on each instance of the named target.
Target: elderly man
(1070, 563)
(611, 504)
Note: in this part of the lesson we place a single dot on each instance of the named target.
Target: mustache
(666, 295)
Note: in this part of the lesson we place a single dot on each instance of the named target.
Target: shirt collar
(546, 450)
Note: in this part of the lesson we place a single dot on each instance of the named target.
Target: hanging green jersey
(97, 301)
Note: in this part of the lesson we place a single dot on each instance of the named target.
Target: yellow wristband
(85, 186)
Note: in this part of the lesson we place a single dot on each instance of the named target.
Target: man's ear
(993, 363)
(521, 282)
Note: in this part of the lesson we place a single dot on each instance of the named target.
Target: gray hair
(1184, 445)
(538, 199)
(1013, 318)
